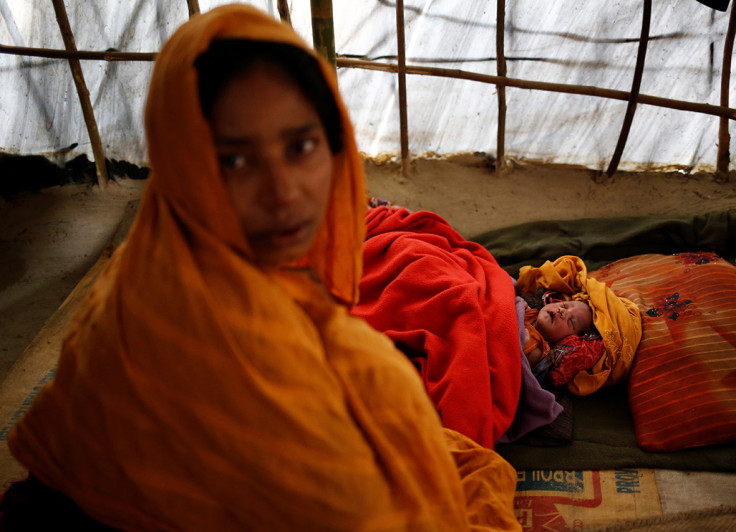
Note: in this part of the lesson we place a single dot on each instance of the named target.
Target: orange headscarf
(196, 391)
(616, 318)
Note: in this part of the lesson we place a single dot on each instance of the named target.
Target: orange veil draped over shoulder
(196, 391)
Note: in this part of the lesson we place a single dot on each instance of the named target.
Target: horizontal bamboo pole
(78, 54)
(585, 90)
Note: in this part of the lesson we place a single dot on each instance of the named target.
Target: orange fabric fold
(535, 339)
(617, 319)
(196, 391)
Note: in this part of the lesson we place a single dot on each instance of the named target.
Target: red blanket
(448, 304)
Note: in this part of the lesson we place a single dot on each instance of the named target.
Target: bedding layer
(599, 241)
(603, 433)
(448, 305)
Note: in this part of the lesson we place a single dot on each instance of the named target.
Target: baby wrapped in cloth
(616, 318)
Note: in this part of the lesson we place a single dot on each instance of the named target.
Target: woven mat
(718, 519)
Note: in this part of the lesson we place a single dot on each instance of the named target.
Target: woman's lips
(287, 236)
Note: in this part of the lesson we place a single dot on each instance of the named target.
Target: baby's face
(558, 320)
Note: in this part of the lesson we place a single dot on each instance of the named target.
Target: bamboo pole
(193, 6)
(635, 86)
(403, 119)
(584, 90)
(77, 54)
(722, 111)
(501, 89)
(724, 138)
(284, 14)
(323, 30)
(83, 93)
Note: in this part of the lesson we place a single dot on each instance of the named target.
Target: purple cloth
(537, 406)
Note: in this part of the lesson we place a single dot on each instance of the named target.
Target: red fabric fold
(448, 304)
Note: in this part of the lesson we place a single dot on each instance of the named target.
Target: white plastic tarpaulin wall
(583, 43)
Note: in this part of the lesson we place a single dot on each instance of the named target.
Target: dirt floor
(468, 192)
(49, 239)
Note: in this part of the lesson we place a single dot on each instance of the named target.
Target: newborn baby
(589, 342)
(550, 324)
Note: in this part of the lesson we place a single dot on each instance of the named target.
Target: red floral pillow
(682, 387)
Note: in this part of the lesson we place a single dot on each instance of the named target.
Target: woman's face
(275, 160)
(558, 320)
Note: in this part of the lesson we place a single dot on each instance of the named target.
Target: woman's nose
(280, 184)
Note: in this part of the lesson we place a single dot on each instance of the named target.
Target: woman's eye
(303, 146)
(232, 161)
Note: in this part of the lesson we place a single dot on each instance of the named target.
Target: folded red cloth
(448, 304)
(574, 354)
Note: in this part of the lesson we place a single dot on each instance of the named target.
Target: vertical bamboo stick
(83, 93)
(403, 122)
(193, 6)
(501, 89)
(635, 85)
(724, 138)
(323, 30)
(284, 13)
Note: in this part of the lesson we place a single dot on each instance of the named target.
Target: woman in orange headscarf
(213, 379)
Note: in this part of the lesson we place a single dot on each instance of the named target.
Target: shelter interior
(517, 114)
